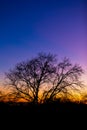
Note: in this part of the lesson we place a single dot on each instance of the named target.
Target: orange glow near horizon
(77, 97)
(74, 97)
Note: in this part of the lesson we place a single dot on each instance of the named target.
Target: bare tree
(29, 78)
(65, 78)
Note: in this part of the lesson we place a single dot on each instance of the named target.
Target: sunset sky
(31, 26)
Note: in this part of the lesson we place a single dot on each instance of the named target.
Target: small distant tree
(2, 96)
(29, 78)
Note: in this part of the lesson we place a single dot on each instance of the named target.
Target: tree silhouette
(28, 79)
(2, 96)
(66, 76)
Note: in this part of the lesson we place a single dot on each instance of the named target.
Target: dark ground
(47, 116)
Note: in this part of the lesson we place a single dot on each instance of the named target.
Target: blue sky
(31, 26)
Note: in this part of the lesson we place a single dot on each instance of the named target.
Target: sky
(28, 27)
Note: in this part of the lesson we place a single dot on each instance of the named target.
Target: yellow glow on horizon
(77, 97)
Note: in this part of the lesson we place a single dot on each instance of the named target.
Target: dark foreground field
(47, 116)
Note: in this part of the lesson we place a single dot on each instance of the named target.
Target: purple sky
(31, 26)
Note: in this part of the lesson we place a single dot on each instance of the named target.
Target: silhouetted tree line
(43, 78)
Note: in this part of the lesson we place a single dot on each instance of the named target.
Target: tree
(66, 77)
(2, 96)
(29, 78)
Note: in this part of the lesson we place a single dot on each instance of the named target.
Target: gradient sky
(31, 26)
